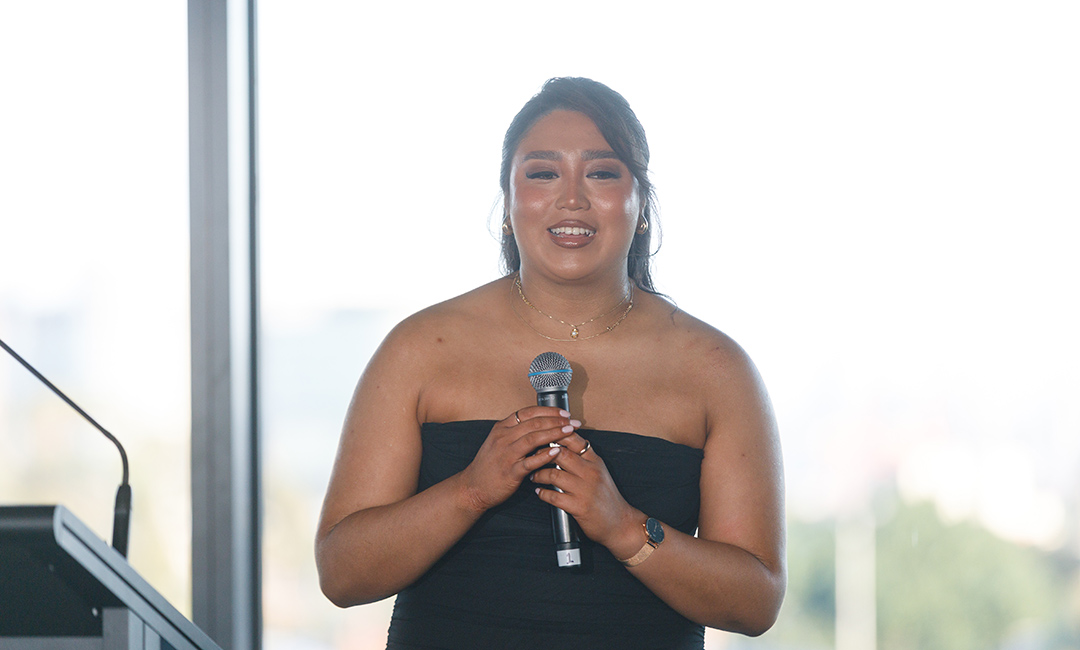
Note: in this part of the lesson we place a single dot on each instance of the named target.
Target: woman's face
(573, 204)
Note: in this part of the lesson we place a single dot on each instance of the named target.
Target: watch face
(655, 530)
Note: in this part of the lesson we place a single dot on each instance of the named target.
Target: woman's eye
(541, 175)
(604, 174)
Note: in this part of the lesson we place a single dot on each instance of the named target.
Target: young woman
(668, 458)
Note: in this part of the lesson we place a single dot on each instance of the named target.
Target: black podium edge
(111, 570)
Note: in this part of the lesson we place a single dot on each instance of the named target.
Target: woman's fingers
(568, 470)
(575, 443)
(515, 441)
(530, 412)
(585, 490)
(530, 438)
(562, 488)
(534, 432)
(570, 440)
(542, 457)
(506, 457)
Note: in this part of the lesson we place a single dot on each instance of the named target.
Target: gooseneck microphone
(549, 374)
(122, 509)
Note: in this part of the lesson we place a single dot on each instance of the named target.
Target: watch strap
(645, 551)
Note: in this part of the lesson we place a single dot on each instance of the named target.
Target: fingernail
(568, 429)
(554, 451)
(538, 491)
(563, 413)
(575, 423)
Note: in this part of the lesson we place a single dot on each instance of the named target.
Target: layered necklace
(574, 331)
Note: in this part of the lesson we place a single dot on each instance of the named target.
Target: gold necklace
(574, 328)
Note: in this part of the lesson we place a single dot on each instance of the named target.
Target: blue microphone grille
(550, 371)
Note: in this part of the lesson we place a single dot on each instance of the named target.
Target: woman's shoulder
(702, 349)
(466, 306)
(714, 372)
(440, 325)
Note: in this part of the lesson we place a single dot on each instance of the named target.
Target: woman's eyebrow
(589, 154)
(599, 154)
(542, 155)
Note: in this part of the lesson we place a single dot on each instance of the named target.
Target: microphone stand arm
(122, 509)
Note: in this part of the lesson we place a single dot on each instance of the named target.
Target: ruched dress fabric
(500, 586)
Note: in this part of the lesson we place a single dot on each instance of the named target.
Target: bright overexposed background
(879, 201)
(94, 268)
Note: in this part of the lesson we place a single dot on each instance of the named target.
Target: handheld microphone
(122, 508)
(549, 374)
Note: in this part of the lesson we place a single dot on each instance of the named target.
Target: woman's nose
(573, 196)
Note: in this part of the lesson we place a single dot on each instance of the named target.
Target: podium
(64, 588)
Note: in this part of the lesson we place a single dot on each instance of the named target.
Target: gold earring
(643, 225)
(506, 229)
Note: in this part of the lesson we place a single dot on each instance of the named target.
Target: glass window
(878, 203)
(94, 269)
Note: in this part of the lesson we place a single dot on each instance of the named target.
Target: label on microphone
(570, 557)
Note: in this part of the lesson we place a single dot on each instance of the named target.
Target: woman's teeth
(572, 230)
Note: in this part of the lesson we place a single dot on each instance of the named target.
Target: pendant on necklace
(573, 333)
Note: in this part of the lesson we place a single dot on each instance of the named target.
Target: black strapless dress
(501, 587)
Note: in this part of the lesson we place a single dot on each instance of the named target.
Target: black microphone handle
(567, 534)
(557, 398)
(122, 519)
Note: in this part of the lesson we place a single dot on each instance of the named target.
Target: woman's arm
(731, 576)
(371, 508)
(376, 535)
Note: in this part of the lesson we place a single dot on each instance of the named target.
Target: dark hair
(615, 120)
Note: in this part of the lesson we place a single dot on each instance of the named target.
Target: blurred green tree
(939, 586)
(958, 586)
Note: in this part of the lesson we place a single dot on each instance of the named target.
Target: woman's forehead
(562, 131)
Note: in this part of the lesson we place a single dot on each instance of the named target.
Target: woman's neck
(557, 306)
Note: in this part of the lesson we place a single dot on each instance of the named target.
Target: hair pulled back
(616, 121)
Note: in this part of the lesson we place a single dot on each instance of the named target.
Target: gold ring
(588, 446)
(516, 417)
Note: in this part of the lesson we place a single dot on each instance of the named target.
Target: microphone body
(552, 392)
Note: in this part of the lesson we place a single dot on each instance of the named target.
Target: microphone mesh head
(550, 371)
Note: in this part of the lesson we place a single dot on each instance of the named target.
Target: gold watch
(654, 536)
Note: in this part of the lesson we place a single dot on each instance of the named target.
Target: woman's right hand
(516, 447)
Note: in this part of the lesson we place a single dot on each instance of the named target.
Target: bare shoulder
(727, 388)
(716, 351)
(711, 358)
(425, 325)
(421, 339)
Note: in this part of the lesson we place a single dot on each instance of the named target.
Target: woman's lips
(571, 236)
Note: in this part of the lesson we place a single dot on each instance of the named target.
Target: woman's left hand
(588, 493)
